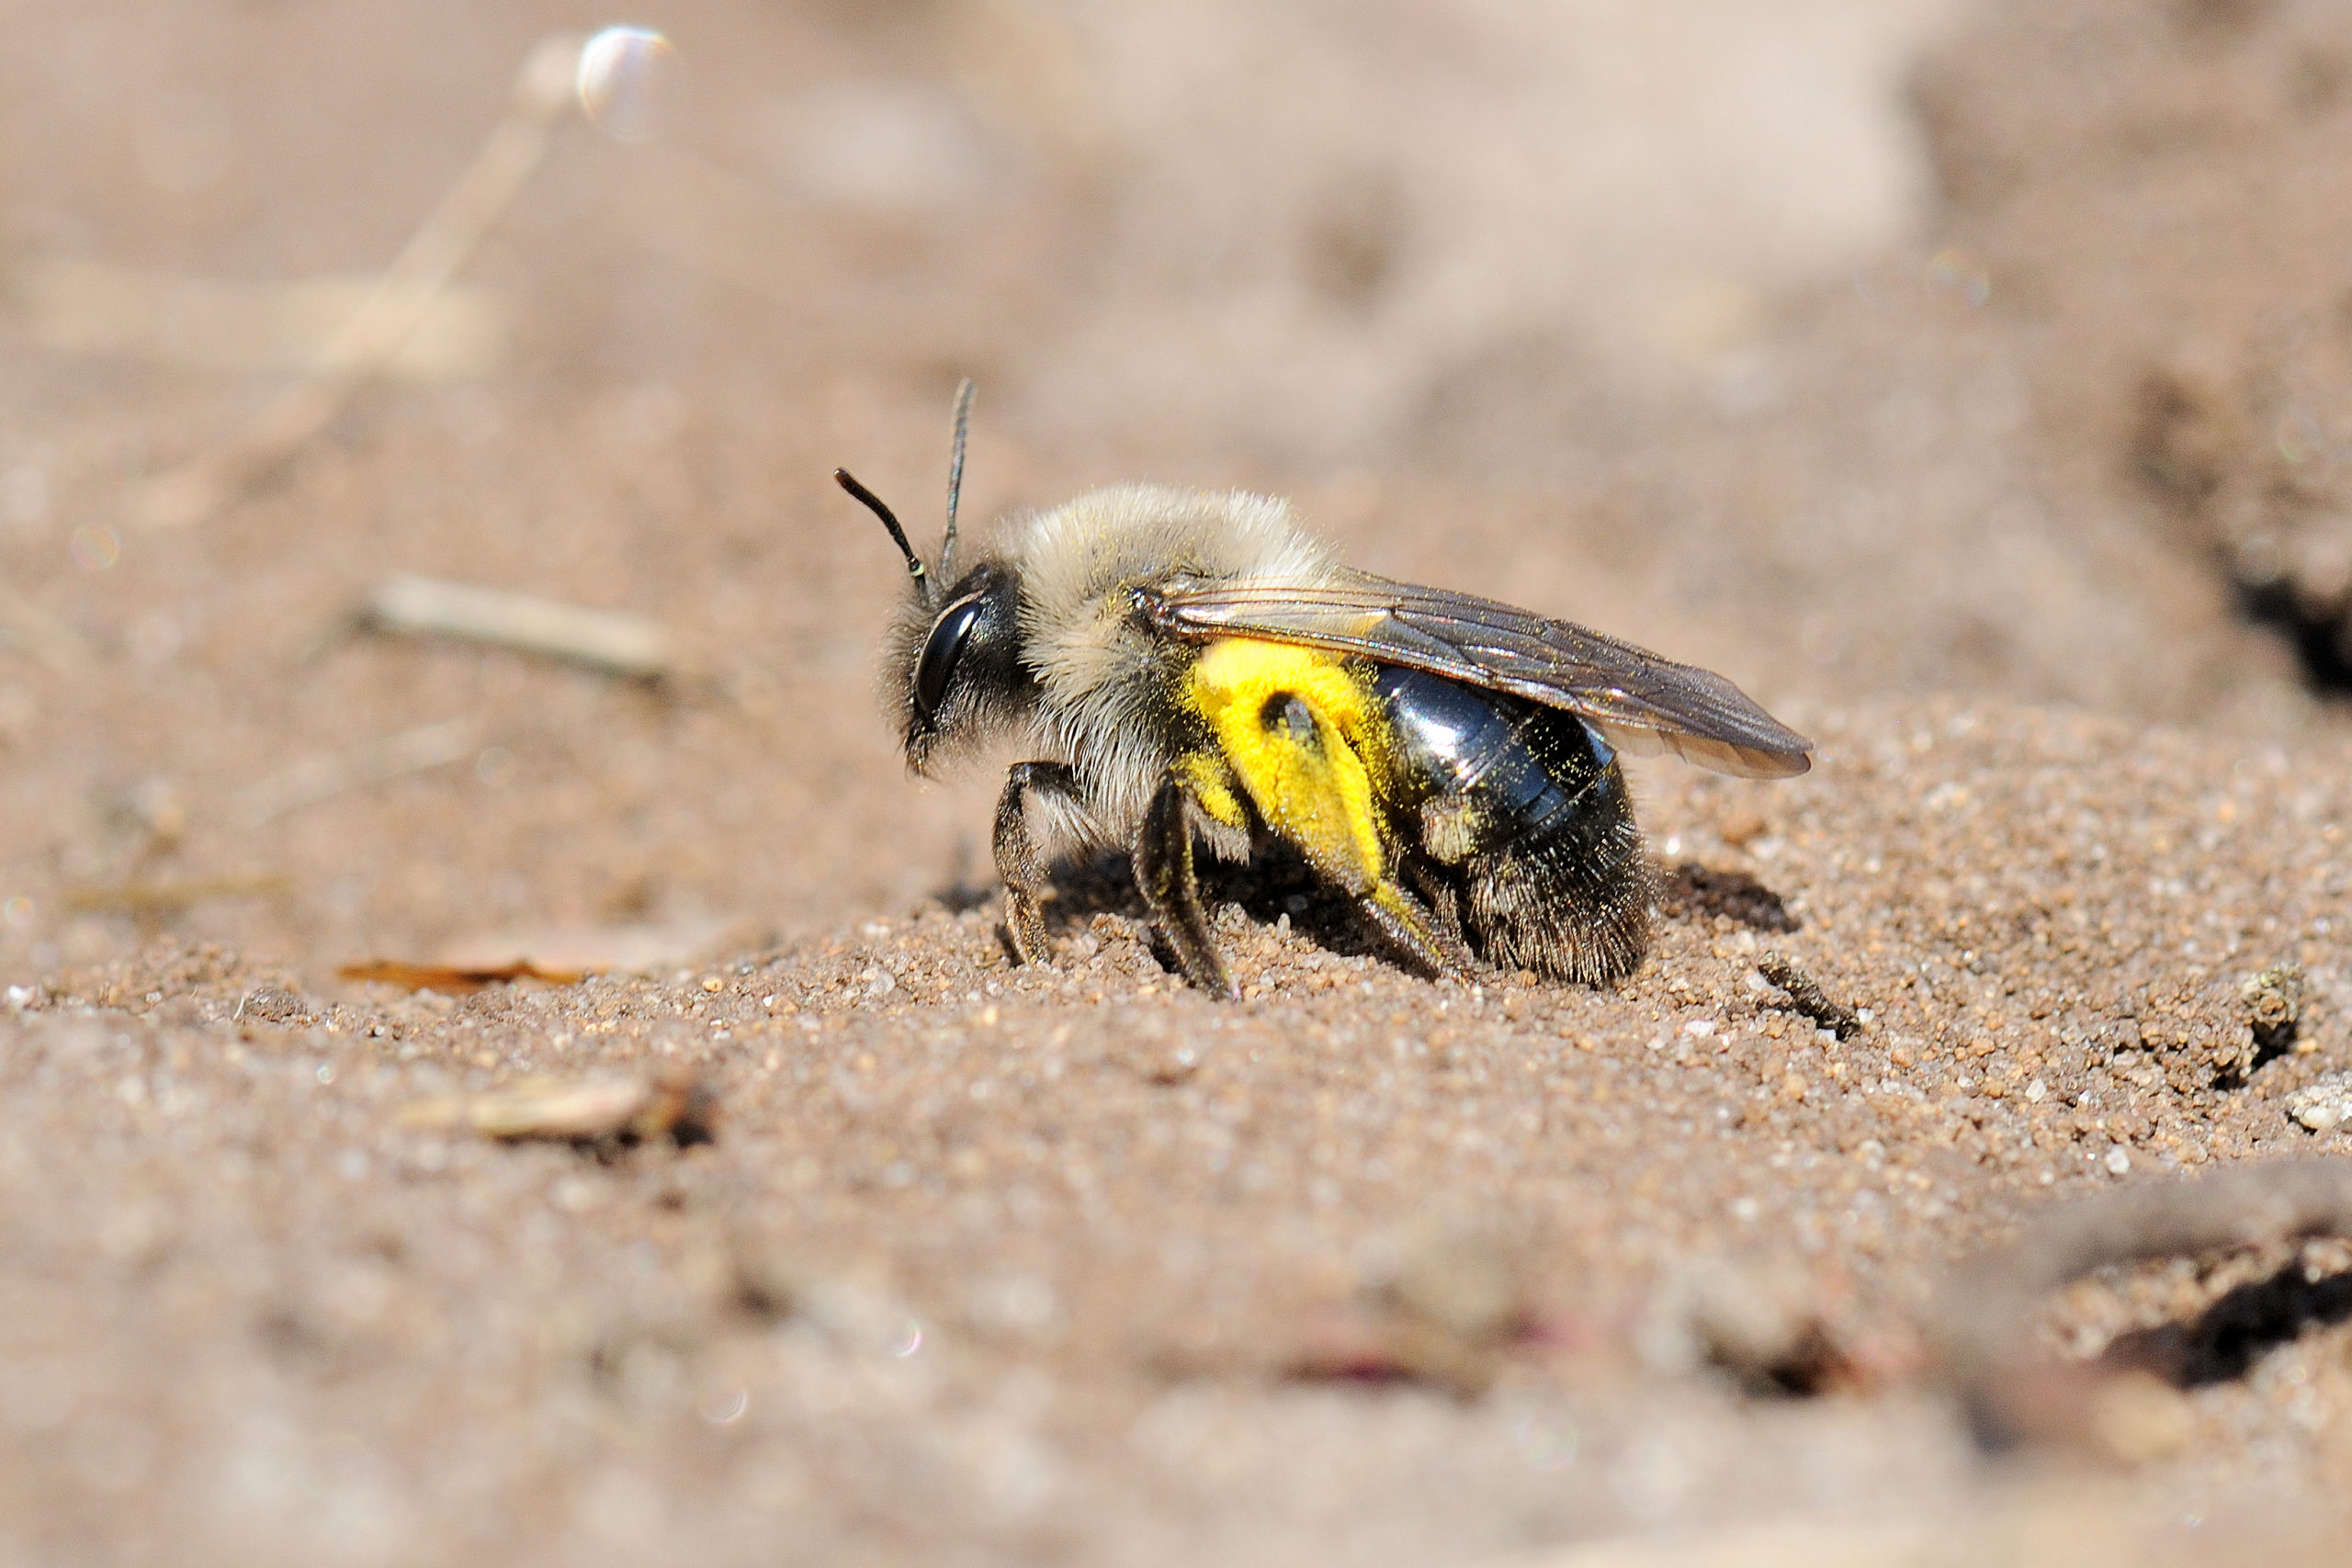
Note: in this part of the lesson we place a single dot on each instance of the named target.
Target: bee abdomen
(1572, 903)
(1479, 762)
(1522, 813)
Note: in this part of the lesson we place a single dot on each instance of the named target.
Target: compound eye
(940, 651)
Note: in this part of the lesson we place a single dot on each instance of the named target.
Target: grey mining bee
(1189, 667)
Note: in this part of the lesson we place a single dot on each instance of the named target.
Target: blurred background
(1852, 348)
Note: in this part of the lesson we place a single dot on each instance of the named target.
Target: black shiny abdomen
(1517, 826)
(1525, 769)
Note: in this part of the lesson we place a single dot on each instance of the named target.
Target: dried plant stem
(1808, 998)
(611, 640)
(40, 634)
(415, 750)
(200, 488)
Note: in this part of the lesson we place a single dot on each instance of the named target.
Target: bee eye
(940, 651)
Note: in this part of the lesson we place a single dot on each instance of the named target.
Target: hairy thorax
(1113, 685)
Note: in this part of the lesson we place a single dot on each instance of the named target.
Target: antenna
(963, 391)
(873, 503)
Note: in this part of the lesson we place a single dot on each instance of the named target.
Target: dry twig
(415, 750)
(611, 640)
(453, 981)
(1808, 999)
(79, 306)
(167, 897)
(198, 490)
(672, 1103)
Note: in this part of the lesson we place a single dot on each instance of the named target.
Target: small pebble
(2324, 1106)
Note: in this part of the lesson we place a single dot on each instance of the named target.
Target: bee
(1191, 669)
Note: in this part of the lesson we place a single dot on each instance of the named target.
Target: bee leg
(1163, 859)
(1406, 922)
(1019, 860)
(1443, 897)
(1444, 901)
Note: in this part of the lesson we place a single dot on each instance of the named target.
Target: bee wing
(1643, 702)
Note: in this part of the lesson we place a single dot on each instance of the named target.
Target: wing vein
(1640, 701)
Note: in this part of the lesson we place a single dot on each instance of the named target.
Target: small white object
(22, 996)
(625, 79)
(2119, 1163)
(2324, 1107)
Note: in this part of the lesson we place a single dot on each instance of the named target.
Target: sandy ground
(2007, 466)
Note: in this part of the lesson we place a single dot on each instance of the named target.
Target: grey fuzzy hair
(1101, 677)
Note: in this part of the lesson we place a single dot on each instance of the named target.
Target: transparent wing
(1641, 702)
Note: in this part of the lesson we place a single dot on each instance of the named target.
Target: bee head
(952, 670)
